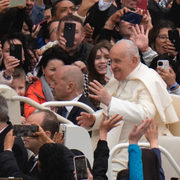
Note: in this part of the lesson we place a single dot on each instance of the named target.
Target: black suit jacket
(35, 171)
(10, 167)
(18, 149)
(75, 111)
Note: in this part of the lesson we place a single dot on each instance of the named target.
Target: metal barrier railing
(125, 145)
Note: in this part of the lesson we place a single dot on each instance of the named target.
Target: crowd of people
(83, 51)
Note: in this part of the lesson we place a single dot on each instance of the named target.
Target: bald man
(135, 92)
(68, 83)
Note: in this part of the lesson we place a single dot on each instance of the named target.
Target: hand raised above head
(100, 93)
(4, 4)
(140, 38)
(107, 125)
(86, 119)
(152, 134)
(58, 138)
(137, 131)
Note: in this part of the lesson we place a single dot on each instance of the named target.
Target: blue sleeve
(135, 163)
(157, 151)
(37, 14)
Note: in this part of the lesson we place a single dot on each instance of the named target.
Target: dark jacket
(101, 155)
(18, 149)
(82, 54)
(75, 112)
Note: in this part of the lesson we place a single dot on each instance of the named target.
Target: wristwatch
(7, 77)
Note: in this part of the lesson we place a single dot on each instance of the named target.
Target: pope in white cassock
(135, 92)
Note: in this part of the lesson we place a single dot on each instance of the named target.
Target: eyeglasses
(55, 29)
(163, 38)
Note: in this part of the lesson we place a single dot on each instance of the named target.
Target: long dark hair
(153, 33)
(93, 74)
(26, 66)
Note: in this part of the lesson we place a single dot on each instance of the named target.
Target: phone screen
(15, 3)
(80, 165)
(25, 130)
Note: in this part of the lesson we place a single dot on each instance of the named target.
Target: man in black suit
(68, 82)
(48, 121)
(18, 149)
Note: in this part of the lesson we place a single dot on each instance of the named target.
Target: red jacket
(35, 93)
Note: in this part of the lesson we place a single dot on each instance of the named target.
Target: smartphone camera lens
(13, 47)
(160, 63)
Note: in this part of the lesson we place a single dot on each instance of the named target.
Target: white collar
(3, 128)
(69, 108)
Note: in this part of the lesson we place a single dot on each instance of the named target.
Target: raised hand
(152, 135)
(107, 125)
(58, 138)
(10, 63)
(4, 4)
(137, 131)
(9, 140)
(100, 93)
(115, 18)
(86, 120)
(140, 37)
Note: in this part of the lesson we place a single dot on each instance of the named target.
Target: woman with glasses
(49, 33)
(159, 40)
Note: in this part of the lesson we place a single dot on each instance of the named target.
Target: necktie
(64, 112)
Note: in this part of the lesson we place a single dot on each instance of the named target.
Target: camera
(160, 63)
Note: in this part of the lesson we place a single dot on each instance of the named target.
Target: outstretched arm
(135, 161)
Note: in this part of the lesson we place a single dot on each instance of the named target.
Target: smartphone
(174, 38)
(80, 166)
(132, 17)
(142, 4)
(164, 64)
(16, 51)
(25, 130)
(174, 178)
(10, 178)
(69, 32)
(15, 3)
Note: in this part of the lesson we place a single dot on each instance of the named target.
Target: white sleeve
(104, 5)
(133, 112)
(148, 56)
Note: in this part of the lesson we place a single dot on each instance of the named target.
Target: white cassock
(142, 94)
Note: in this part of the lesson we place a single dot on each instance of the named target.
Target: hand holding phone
(142, 4)
(80, 166)
(163, 64)
(16, 51)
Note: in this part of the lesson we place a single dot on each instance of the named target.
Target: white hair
(130, 49)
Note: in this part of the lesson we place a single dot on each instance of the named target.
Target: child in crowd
(19, 85)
